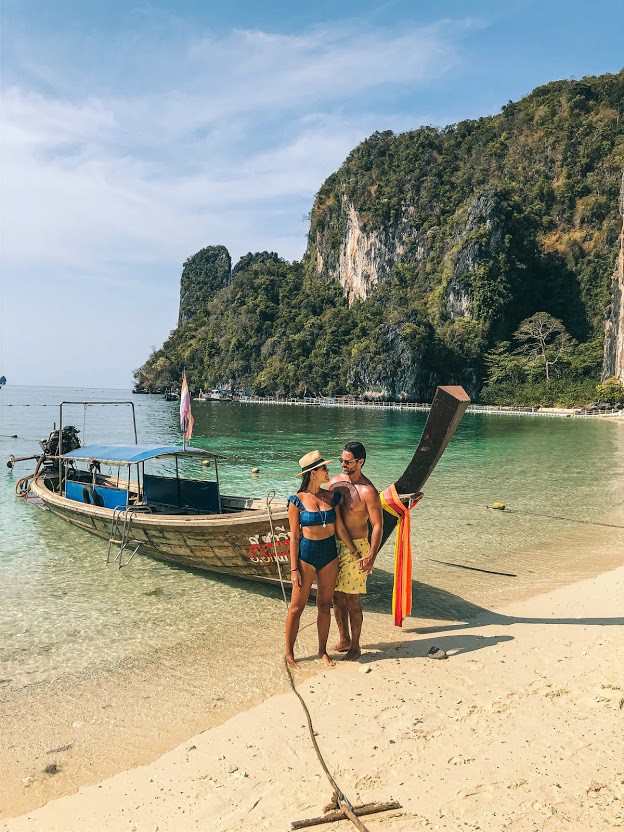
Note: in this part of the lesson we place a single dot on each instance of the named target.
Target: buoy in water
(255, 470)
(498, 506)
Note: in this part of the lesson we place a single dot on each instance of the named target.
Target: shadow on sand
(432, 602)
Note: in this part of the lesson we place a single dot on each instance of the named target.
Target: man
(360, 506)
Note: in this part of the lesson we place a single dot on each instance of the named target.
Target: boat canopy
(133, 454)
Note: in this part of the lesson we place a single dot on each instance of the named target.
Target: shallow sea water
(62, 611)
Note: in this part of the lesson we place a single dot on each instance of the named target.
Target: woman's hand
(295, 577)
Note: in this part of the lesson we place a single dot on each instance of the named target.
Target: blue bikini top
(316, 518)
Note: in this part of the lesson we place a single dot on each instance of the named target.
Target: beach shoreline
(461, 744)
(133, 738)
(577, 411)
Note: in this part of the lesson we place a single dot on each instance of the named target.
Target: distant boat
(189, 522)
(215, 395)
(2, 381)
(172, 395)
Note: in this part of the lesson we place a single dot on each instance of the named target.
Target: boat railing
(121, 524)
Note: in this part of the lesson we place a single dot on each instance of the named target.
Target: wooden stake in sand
(344, 813)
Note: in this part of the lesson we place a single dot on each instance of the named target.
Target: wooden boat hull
(241, 542)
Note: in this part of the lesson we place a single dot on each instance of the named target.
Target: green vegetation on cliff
(477, 227)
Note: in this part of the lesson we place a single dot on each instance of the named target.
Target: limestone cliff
(203, 274)
(426, 251)
(614, 330)
(363, 258)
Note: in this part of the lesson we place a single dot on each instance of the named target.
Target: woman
(314, 516)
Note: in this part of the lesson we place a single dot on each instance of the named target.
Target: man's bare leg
(354, 609)
(341, 614)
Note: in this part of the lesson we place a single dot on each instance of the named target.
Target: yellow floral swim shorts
(350, 578)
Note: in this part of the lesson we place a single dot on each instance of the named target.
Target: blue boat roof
(132, 454)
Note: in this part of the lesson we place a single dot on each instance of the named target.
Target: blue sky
(135, 133)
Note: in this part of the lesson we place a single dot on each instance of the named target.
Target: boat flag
(402, 589)
(186, 417)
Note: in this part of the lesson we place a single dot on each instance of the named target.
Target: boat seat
(199, 495)
(82, 492)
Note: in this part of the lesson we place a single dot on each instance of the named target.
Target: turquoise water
(63, 610)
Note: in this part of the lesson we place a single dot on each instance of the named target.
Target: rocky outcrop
(614, 330)
(403, 374)
(203, 275)
(364, 258)
(477, 241)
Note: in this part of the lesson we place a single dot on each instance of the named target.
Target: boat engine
(49, 464)
(70, 441)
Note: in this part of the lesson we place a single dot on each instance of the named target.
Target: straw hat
(311, 461)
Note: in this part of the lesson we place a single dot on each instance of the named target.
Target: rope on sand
(339, 799)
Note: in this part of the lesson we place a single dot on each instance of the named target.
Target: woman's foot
(352, 654)
(342, 646)
(290, 661)
(327, 660)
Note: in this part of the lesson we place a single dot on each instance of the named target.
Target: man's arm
(375, 516)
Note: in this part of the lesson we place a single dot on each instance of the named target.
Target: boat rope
(269, 499)
(473, 568)
(22, 486)
(582, 521)
(339, 799)
(564, 519)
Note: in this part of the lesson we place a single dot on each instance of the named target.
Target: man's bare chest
(352, 501)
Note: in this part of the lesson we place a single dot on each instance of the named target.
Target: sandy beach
(520, 729)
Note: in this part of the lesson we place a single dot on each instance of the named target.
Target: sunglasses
(348, 461)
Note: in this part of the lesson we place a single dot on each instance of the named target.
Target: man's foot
(343, 646)
(327, 660)
(290, 661)
(352, 654)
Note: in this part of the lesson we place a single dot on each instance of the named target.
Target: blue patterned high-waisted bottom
(318, 553)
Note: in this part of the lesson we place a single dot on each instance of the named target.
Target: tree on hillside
(503, 366)
(544, 339)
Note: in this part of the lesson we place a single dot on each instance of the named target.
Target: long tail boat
(189, 522)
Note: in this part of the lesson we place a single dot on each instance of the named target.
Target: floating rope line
(15, 436)
(43, 404)
(565, 519)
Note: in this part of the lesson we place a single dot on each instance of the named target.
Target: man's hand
(366, 564)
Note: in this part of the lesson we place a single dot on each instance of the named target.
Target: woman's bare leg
(298, 600)
(325, 584)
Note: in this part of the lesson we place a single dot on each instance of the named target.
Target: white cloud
(228, 144)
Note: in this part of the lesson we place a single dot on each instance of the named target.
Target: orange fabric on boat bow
(402, 590)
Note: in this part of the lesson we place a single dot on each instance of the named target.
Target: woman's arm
(295, 537)
(343, 533)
